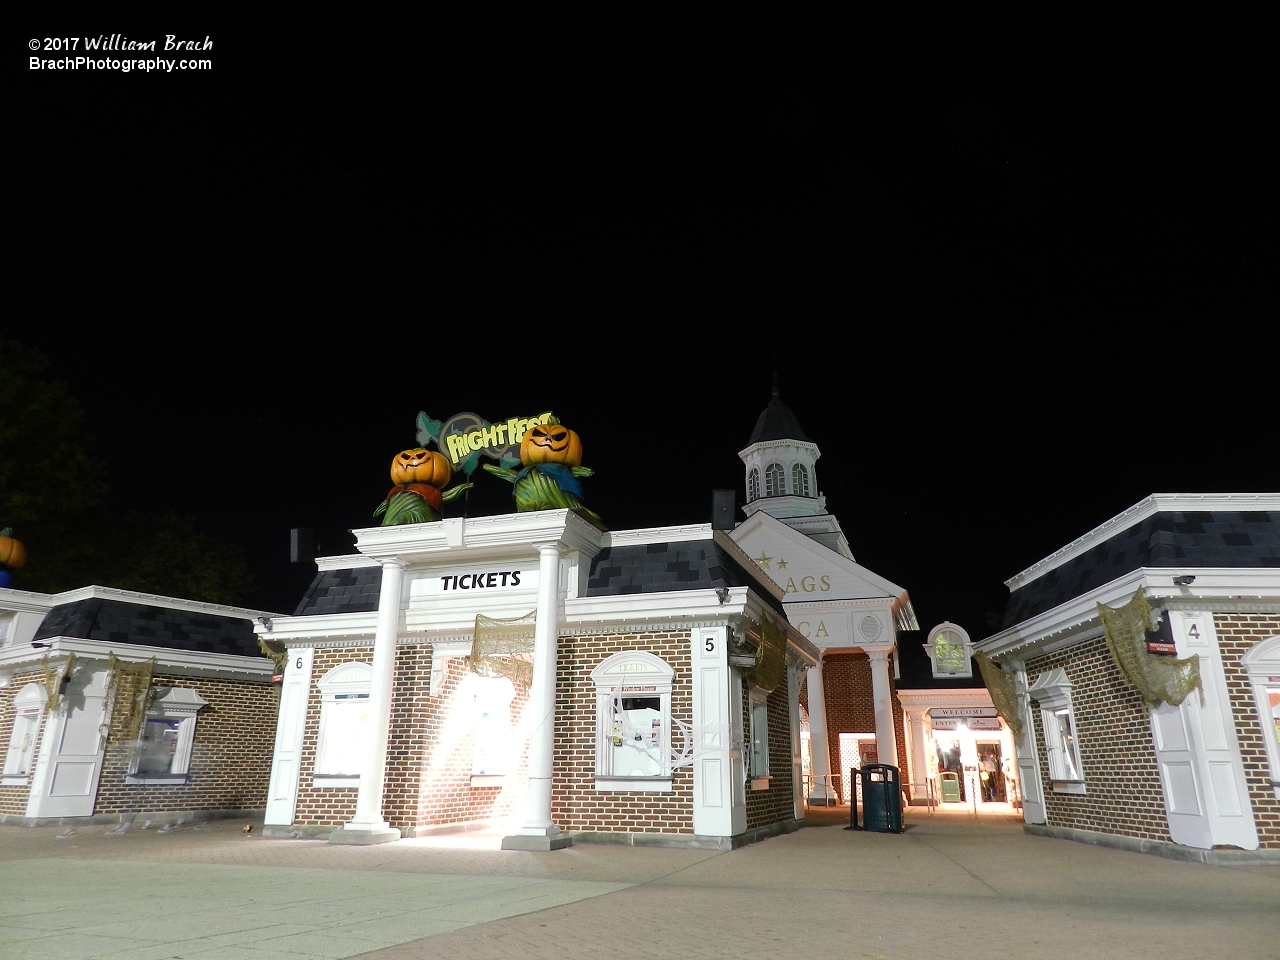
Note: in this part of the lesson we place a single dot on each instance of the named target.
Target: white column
(820, 790)
(886, 742)
(368, 826)
(918, 736)
(538, 832)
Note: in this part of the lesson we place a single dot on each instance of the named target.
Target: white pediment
(805, 569)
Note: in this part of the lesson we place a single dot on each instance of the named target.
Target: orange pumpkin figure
(421, 465)
(12, 552)
(551, 443)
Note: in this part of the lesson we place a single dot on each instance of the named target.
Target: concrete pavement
(951, 886)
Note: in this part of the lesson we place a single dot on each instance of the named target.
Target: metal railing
(828, 780)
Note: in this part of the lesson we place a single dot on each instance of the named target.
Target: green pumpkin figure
(551, 461)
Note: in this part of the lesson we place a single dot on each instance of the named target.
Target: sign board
(973, 723)
(464, 437)
(963, 712)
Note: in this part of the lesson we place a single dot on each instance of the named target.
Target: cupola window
(774, 481)
(799, 480)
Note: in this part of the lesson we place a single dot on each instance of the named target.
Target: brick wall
(230, 756)
(1116, 751)
(13, 800)
(575, 803)
(850, 703)
(444, 793)
(1237, 634)
(777, 804)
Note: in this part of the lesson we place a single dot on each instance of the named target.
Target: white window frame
(639, 674)
(493, 745)
(169, 703)
(799, 480)
(1052, 691)
(760, 776)
(931, 648)
(753, 484)
(775, 480)
(1262, 663)
(343, 684)
(20, 758)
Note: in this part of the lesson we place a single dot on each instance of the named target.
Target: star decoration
(782, 564)
(763, 561)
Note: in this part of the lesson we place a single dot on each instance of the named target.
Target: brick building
(535, 672)
(1098, 759)
(116, 704)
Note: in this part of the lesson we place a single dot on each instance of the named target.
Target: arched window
(774, 481)
(799, 480)
(28, 708)
(1263, 665)
(753, 484)
(344, 718)
(633, 723)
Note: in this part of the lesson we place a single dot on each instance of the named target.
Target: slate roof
(660, 567)
(777, 422)
(115, 621)
(1166, 539)
(354, 590)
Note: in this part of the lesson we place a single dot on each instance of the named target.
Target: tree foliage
(47, 467)
(53, 494)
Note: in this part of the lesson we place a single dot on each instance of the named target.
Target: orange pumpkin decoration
(421, 465)
(12, 552)
(550, 443)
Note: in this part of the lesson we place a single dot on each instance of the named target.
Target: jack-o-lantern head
(550, 443)
(421, 465)
(12, 552)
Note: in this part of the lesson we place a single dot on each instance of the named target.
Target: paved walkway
(951, 886)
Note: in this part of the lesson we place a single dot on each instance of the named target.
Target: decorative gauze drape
(1157, 679)
(504, 648)
(1001, 686)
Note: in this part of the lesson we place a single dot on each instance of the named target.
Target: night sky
(1005, 309)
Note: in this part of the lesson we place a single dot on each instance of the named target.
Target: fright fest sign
(465, 437)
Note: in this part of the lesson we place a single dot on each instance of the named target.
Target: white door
(282, 793)
(1175, 758)
(65, 783)
(1209, 732)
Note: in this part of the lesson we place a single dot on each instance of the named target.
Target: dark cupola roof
(777, 422)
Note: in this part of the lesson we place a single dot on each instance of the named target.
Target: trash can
(950, 783)
(881, 798)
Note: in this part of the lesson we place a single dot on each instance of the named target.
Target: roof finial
(775, 381)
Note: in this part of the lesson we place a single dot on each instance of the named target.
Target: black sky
(1005, 309)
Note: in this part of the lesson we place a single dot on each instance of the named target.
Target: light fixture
(1185, 580)
(40, 644)
(266, 623)
(723, 594)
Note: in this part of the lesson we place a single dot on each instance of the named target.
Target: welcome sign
(464, 437)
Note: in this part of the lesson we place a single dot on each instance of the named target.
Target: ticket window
(633, 723)
(636, 742)
(342, 742)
